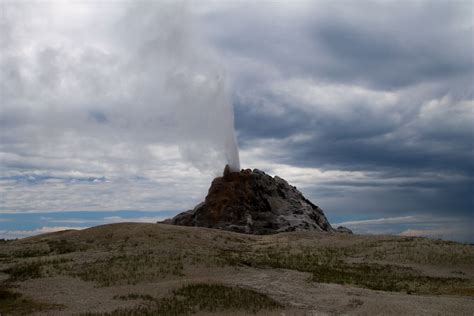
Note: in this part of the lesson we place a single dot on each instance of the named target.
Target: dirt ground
(76, 272)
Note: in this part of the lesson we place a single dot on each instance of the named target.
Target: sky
(124, 111)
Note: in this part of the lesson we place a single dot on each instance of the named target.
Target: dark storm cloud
(396, 55)
(406, 150)
(386, 45)
(370, 154)
(402, 78)
(254, 121)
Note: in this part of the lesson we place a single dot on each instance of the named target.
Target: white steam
(139, 77)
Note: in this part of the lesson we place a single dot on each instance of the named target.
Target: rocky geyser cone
(255, 203)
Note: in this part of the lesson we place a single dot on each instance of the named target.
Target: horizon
(40, 223)
(121, 111)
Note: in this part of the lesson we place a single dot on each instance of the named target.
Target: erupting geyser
(232, 152)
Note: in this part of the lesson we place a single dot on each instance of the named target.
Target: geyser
(232, 151)
(252, 202)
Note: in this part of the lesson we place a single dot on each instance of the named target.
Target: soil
(85, 271)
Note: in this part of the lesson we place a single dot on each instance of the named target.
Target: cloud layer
(112, 97)
(380, 92)
(367, 107)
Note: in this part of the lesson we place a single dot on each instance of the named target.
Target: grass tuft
(327, 267)
(13, 303)
(25, 271)
(201, 297)
(63, 246)
(130, 269)
(35, 269)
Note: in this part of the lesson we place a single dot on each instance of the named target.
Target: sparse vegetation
(130, 269)
(5, 241)
(355, 302)
(34, 269)
(25, 271)
(417, 250)
(388, 278)
(63, 246)
(327, 266)
(194, 298)
(13, 303)
(46, 248)
(34, 251)
(134, 296)
(153, 254)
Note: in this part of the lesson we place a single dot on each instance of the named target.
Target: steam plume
(143, 80)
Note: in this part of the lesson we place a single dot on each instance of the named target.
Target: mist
(137, 86)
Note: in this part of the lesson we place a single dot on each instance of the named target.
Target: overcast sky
(366, 106)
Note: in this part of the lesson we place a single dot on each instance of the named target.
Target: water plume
(140, 76)
(185, 86)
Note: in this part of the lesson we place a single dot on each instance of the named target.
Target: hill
(156, 269)
(253, 202)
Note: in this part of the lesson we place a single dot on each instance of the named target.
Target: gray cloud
(363, 87)
(367, 107)
(415, 226)
(144, 79)
(386, 45)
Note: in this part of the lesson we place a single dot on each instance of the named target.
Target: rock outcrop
(344, 230)
(255, 203)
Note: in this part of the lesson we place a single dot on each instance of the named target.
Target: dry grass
(130, 269)
(328, 265)
(140, 254)
(194, 298)
(35, 269)
(14, 303)
(413, 250)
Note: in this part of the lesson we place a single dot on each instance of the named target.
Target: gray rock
(343, 230)
(253, 202)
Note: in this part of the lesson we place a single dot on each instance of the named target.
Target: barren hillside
(154, 269)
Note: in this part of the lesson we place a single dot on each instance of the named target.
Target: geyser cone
(253, 202)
